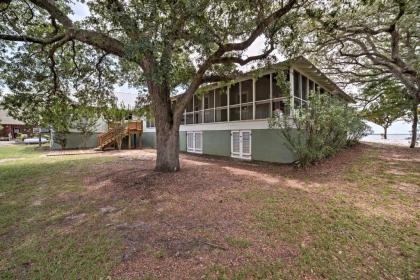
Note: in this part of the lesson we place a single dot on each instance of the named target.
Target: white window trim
(241, 155)
(194, 148)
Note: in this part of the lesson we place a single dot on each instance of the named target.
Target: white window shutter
(198, 141)
(236, 143)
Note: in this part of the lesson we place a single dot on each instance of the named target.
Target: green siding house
(232, 121)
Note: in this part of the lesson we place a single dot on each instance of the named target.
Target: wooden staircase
(120, 131)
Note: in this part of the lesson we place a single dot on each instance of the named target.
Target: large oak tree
(360, 42)
(163, 46)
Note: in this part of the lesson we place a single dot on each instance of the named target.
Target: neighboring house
(102, 137)
(232, 121)
(74, 139)
(11, 126)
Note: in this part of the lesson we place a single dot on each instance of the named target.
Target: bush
(321, 129)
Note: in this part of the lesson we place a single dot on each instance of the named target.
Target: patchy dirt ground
(183, 221)
(352, 216)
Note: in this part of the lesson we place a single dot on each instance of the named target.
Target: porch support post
(253, 98)
(292, 100)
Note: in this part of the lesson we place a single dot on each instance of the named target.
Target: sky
(128, 95)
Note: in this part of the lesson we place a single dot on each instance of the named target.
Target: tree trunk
(167, 129)
(167, 144)
(385, 133)
(414, 125)
(39, 138)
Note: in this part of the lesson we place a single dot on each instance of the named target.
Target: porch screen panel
(246, 91)
(221, 115)
(279, 107)
(189, 118)
(209, 116)
(221, 97)
(198, 117)
(277, 91)
(234, 113)
(234, 94)
(262, 111)
(311, 86)
(304, 88)
(198, 103)
(296, 89)
(246, 112)
(209, 100)
(190, 106)
(262, 88)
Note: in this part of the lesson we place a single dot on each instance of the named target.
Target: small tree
(386, 103)
(60, 119)
(116, 116)
(85, 120)
(319, 130)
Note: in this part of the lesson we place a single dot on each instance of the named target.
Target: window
(195, 141)
(150, 123)
(129, 117)
(241, 144)
(262, 88)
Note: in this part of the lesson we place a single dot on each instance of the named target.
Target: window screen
(221, 97)
(262, 88)
(246, 91)
(234, 94)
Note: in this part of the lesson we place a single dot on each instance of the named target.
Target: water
(373, 137)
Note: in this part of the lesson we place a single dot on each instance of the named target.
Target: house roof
(6, 119)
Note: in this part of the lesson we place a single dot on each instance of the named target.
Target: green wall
(74, 141)
(148, 139)
(267, 144)
(216, 142)
(270, 145)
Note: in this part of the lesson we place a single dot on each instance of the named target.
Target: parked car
(35, 141)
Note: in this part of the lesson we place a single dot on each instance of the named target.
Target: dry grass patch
(350, 217)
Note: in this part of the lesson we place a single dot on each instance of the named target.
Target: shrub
(321, 129)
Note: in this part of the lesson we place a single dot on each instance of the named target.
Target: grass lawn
(90, 216)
